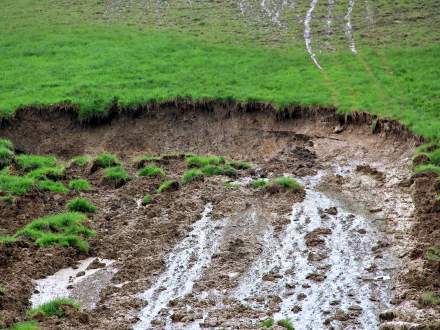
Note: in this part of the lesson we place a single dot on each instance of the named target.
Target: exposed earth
(346, 252)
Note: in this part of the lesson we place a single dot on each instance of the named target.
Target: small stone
(340, 315)
(296, 309)
(335, 302)
(362, 231)
(301, 296)
(81, 273)
(355, 308)
(387, 315)
(331, 210)
(338, 129)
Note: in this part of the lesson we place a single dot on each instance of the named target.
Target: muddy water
(341, 278)
(184, 265)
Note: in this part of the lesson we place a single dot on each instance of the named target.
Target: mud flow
(217, 252)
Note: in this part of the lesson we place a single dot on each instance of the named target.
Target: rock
(394, 325)
(296, 309)
(356, 308)
(335, 302)
(301, 296)
(375, 210)
(316, 277)
(362, 231)
(387, 315)
(331, 210)
(81, 273)
(338, 129)
(271, 277)
(340, 315)
(290, 285)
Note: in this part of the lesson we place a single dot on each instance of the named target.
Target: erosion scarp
(234, 244)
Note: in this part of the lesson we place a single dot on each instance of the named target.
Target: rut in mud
(218, 252)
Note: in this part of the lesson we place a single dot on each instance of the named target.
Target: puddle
(323, 279)
(184, 265)
(308, 33)
(81, 284)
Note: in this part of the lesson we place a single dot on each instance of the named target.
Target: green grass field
(90, 52)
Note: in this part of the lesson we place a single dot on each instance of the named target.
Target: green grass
(6, 143)
(146, 199)
(191, 175)
(53, 308)
(27, 325)
(287, 183)
(6, 152)
(80, 161)
(45, 172)
(15, 185)
(116, 173)
(203, 161)
(52, 186)
(430, 299)
(240, 165)
(211, 170)
(147, 158)
(7, 239)
(231, 185)
(428, 168)
(167, 185)
(80, 185)
(268, 323)
(152, 171)
(32, 162)
(66, 229)
(259, 183)
(286, 323)
(106, 160)
(81, 205)
(433, 253)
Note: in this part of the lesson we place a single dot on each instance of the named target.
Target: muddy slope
(343, 220)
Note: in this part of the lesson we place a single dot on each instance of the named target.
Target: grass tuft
(28, 325)
(6, 152)
(259, 183)
(192, 175)
(168, 185)
(287, 183)
(106, 160)
(15, 185)
(80, 161)
(7, 239)
(268, 323)
(45, 173)
(64, 229)
(53, 308)
(430, 299)
(6, 143)
(146, 199)
(427, 168)
(211, 170)
(51, 186)
(240, 165)
(202, 161)
(231, 185)
(286, 323)
(116, 173)
(152, 171)
(81, 205)
(80, 185)
(32, 162)
(433, 253)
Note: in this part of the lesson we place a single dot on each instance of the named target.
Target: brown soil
(139, 238)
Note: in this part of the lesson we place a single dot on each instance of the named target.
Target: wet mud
(337, 255)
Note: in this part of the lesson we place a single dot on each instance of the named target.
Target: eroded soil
(336, 256)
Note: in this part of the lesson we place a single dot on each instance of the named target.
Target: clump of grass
(15, 185)
(287, 183)
(168, 185)
(79, 185)
(44, 173)
(106, 160)
(81, 205)
(32, 162)
(6, 143)
(427, 168)
(191, 175)
(146, 199)
(80, 161)
(147, 158)
(66, 229)
(2, 290)
(53, 308)
(202, 161)
(286, 323)
(229, 171)
(6, 152)
(28, 325)
(429, 299)
(52, 186)
(7, 239)
(152, 171)
(231, 185)
(259, 183)
(240, 165)
(116, 173)
(267, 323)
(211, 170)
(7, 199)
(433, 253)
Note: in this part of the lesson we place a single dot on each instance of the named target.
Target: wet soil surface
(335, 256)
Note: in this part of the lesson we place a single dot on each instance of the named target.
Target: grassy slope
(89, 52)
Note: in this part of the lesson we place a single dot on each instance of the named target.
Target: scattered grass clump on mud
(46, 172)
(268, 323)
(168, 185)
(106, 160)
(27, 325)
(80, 161)
(146, 199)
(287, 183)
(429, 299)
(81, 205)
(6, 152)
(192, 175)
(231, 185)
(117, 173)
(259, 183)
(55, 307)
(211, 170)
(79, 185)
(66, 229)
(240, 165)
(286, 323)
(15, 185)
(7, 239)
(52, 186)
(203, 161)
(32, 162)
(152, 171)
(433, 253)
